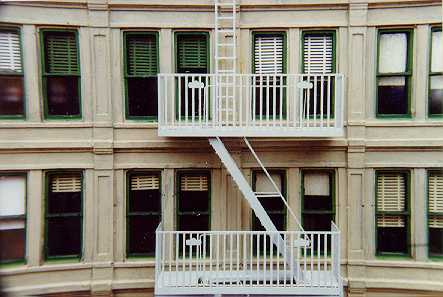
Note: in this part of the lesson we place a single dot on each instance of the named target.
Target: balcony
(250, 105)
(246, 262)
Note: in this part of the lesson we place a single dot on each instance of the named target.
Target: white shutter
(391, 194)
(316, 184)
(194, 183)
(145, 182)
(435, 189)
(66, 183)
(10, 52)
(268, 54)
(318, 53)
(393, 52)
(12, 195)
(263, 184)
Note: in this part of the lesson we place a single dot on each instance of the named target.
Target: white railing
(250, 105)
(246, 262)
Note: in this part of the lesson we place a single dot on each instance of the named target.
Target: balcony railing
(251, 105)
(246, 262)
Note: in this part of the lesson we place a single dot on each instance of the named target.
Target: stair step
(267, 194)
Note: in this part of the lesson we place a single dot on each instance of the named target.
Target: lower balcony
(247, 262)
(250, 105)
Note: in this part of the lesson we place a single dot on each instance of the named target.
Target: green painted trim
(406, 213)
(21, 261)
(19, 117)
(438, 257)
(129, 175)
(407, 75)
(432, 115)
(45, 75)
(69, 258)
(126, 75)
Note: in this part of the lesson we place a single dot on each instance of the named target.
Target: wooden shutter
(192, 52)
(435, 189)
(10, 51)
(141, 55)
(66, 183)
(61, 53)
(194, 183)
(391, 196)
(268, 54)
(318, 53)
(145, 182)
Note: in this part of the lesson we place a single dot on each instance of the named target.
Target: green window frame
(406, 75)
(60, 60)
(56, 216)
(141, 66)
(389, 218)
(435, 212)
(148, 182)
(12, 75)
(434, 75)
(15, 218)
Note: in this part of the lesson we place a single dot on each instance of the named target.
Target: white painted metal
(268, 105)
(227, 262)
(10, 51)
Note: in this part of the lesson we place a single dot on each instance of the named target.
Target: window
(394, 72)
(318, 62)
(143, 212)
(193, 203)
(392, 212)
(436, 74)
(435, 215)
(192, 56)
(61, 73)
(11, 75)
(64, 215)
(12, 217)
(141, 60)
(269, 61)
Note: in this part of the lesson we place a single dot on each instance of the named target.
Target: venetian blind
(194, 183)
(391, 196)
(318, 53)
(192, 52)
(145, 182)
(268, 54)
(435, 189)
(61, 53)
(141, 55)
(10, 51)
(66, 183)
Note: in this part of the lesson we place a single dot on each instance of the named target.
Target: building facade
(79, 144)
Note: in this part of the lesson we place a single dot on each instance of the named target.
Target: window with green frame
(12, 99)
(12, 217)
(141, 68)
(269, 60)
(63, 216)
(394, 72)
(435, 212)
(143, 212)
(435, 103)
(318, 52)
(61, 73)
(192, 57)
(392, 212)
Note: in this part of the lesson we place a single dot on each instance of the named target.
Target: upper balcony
(250, 105)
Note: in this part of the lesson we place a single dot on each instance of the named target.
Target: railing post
(338, 97)
(158, 255)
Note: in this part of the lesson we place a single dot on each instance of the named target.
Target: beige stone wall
(105, 145)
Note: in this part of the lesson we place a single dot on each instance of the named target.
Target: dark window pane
(279, 221)
(315, 102)
(145, 200)
(63, 95)
(436, 95)
(199, 222)
(12, 243)
(272, 203)
(317, 222)
(265, 98)
(436, 241)
(196, 97)
(317, 203)
(392, 239)
(64, 236)
(142, 96)
(64, 202)
(142, 234)
(197, 201)
(11, 95)
(392, 95)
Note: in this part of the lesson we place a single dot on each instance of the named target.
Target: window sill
(136, 124)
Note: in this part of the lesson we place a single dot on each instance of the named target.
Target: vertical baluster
(325, 255)
(206, 101)
(199, 107)
(328, 107)
(224, 258)
(291, 265)
(301, 103)
(265, 262)
(285, 252)
(251, 256)
(315, 95)
(230, 258)
(274, 99)
(218, 258)
(193, 101)
(308, 103)
(283, 86)
(321, 100)
(186, 99)
(244, 259)
(179, 87)
(305, 255)
(271, 262)
(268, 86)
(238, 254)
(311, 260)
(258, 258)
(261, 100)
(254, 99)
(318, 259)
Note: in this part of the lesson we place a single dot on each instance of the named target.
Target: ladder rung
(225, 17)
(224, 58)
(226, 4)
(226, 71)
(225, 44)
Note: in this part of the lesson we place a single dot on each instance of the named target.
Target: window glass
(393, 53)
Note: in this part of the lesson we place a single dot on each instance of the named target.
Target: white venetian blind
(437, 52)
(12, 195)
(10, 52)
(145, 182)
(194, 183)
(66, 183)
(435, 188)
(393, 52)
(268, 54)
(391, 194)
(318, 53)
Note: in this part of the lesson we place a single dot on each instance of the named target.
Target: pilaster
(35, 217)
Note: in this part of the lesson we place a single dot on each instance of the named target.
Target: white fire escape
(224, 104)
